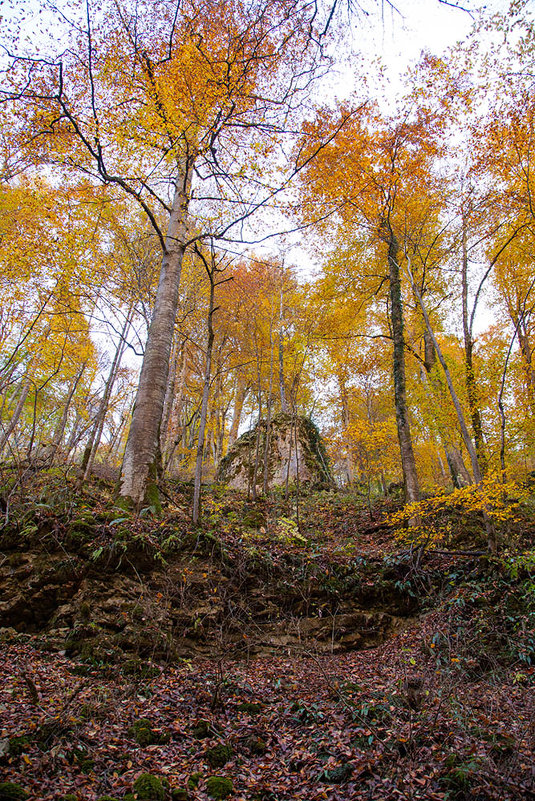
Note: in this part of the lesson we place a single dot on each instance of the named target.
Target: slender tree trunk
(178, 426)
(408, 462)
(204, 408)
(62, 422)
(239, 400)
(140, 463)
(282, 384)
(267, 440)
(470, 380)
(350, 475)
(25, 388)
(169, 397)
(73, 436)
(98, 427)
(469, 445)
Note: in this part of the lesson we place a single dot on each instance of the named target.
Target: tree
(146, 94)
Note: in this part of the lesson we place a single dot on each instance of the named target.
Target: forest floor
(314, 661)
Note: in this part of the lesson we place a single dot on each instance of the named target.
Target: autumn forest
(223, 232)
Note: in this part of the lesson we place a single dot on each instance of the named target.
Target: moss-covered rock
(9, 791)
(219, 787)
(179, 794)
(69, 797)
(148, 787)
(219, 755)
(143, 733)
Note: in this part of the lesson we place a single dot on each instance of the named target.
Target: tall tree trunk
(408, 462)
(59, 431)
(469, 445)
(140, 463)
(98, 427)
(169, 397)
(177, 427)
(25, 388)
(350, 474)
(470, 379)
(204, 408)
(267, 439)
(239, 400)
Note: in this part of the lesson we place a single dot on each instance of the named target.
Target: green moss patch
(148, 787)
(218, 756)
(219, 787)
(143, 733)
(9, 791)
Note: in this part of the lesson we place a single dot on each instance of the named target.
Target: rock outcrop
(295, 453)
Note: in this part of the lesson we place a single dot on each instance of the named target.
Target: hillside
(324, 661)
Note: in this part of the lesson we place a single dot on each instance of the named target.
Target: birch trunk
(139, 468)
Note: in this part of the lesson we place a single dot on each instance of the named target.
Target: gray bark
(142, 447)
(16, 413)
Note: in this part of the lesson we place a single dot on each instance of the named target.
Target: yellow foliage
(428, 521)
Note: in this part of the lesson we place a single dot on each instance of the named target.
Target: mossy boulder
(179, 794)
(306, 462)
(143, 733)
(148, 787)
(219, 787)
(69, 797)
(9, 791)
(219, 755)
